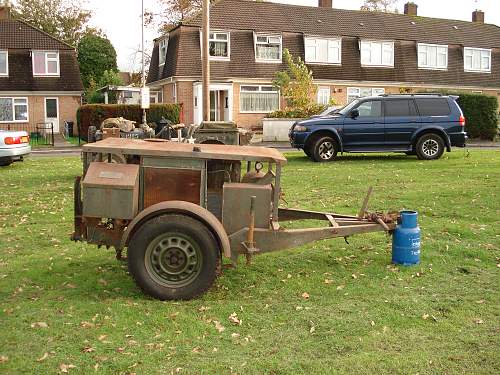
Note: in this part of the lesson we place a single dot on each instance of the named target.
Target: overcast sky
(120, 19)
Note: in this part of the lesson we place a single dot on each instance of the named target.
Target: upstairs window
(45, 63)
(323, 50)
(162, 51)
(374, 53)
(477, 60)
(4, 63)
(267, 48)
(218, 45)
(432, 56)
(259, 99)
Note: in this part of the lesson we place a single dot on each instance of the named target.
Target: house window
(477, 60)
(128, 94)
(323, 50)
(324, 95)
(162, 51)
(45, 63)
(4, 63)
(13, 109)
(267, 47)
(377, 53)
(259, 99)
(356, 92)
(432, 56)
(218, 45)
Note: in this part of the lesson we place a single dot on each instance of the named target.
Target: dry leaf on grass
(305, 295)
(328, 281)
(233, 318)
(65, 368)
(219, 327)
(39, 325)
(478, 321)
(43, 357)
(3, 358)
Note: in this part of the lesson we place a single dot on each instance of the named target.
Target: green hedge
(480, 113)
(94, 114)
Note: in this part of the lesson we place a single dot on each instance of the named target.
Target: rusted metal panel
(185, 150)
(236, 205)
(111, 190)
(168, 184)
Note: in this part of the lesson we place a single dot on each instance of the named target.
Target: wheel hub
(326, 150)
(430, 147)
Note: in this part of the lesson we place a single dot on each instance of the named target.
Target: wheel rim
(173, 259)
(430, 147)
(326, 150)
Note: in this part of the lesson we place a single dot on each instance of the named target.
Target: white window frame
(259, 90)
(14, 109)
(373, 44)
(267, 35)
(480, 50)
(316, 46)
(217, 58)
(357, 95)
(323, 90)
(47, 59)
(6, 74)
(420, 50)
(165, 42)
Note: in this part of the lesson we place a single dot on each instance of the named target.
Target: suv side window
(371, 108)
(400, 108)
(433, 106)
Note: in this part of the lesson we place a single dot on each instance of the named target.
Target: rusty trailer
(180, 208)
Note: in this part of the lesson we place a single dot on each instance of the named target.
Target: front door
(214, 105)
(365, 131)
(52, 112)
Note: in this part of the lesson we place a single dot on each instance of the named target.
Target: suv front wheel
(324, 149)
(429, 147)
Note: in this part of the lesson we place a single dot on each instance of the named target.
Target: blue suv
(422, 125)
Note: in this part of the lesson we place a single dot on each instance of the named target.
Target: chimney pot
(325, 3)
(478, 16)
(4, 12)
(411, 9)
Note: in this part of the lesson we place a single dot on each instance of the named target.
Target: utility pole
(205, 63)
(144, 92)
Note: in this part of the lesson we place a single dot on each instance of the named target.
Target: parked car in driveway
(422, 125)
(14, 146)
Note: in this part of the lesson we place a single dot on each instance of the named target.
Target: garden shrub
(480, 113)
(93, 114)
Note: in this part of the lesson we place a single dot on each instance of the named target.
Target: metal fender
(181, 207)
(439, 131)
(332, 131)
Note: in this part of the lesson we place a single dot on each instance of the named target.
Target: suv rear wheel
(324, 149)
(429, 147)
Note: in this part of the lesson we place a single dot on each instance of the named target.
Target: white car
(14, 146)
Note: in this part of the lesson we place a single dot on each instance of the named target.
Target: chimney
(325, 3)
(4, 12)
(478, 16)
(411, 9)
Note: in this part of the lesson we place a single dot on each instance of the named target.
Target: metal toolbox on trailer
(111, 190)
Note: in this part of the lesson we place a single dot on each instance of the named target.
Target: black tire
(307, 151)
(159, 255)
(324, 149)
(5, 163)
(430, 146)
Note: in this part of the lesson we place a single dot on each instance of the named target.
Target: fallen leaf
(235, 335)
(219, 327)
(3, 358)
(328, 281)
(88, 349)
(85, 324)
(102, 337)
(196, 349)
(233, 318)
(425, 316)
(43, 357)
(311, 328)
(354, 276)
(372, 323)
(65, 368)
(39, 325)
(340, 287)
(203, 308)
(478, 321)
(305, 295)
(102, 282)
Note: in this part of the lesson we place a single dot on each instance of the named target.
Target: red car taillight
(461, 120)
(16, 140)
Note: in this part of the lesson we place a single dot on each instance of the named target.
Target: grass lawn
(72, 307)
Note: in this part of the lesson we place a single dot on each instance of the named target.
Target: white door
(52, 112)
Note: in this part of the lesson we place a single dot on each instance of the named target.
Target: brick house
(39, 77)
(351, 54)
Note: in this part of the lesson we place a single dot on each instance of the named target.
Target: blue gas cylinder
(406, 240)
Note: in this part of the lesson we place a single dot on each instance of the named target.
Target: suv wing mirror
(354, 113)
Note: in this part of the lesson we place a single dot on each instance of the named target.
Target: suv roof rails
(415, 94)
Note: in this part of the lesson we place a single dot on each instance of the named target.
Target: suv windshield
(344, 111)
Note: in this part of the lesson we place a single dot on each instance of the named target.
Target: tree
(108, 78)
(96, 55)
(63, 19)
(174, 12)
(388, 6)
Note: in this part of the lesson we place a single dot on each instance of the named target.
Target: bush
(94, 114)
(480, 113)
(313, 109)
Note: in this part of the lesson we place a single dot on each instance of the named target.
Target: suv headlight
(300, 128)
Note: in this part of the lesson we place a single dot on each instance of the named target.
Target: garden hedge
(93, 114)
(480, 113)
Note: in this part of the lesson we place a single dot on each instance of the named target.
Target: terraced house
(351, 53)
(39, 77)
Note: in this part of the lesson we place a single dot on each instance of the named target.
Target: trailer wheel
(324, 149)
(172, 257)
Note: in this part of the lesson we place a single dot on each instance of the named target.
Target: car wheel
(324, 149)
(307, 151)
(173, 257)
(5, 163)
(429, 147)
